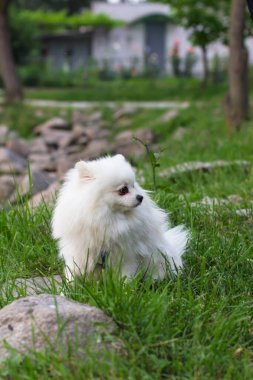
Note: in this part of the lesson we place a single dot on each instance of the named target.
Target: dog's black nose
(139, 198)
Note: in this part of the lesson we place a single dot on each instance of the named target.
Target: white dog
(101, 210)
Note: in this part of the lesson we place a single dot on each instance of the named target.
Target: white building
(149, 31)
(147, 35)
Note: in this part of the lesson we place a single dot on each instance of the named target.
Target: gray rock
(79, 130)
(39, 182)
(168, 115)
(79, 118)
(54, 138)
(55, 123)
(11, 163)
(19, 146)
(65, 162)
(179, 134)
(210, 202)
(144, 134)
(204, 167)
(103, 134)
(244, 212)
(7, 186)
(211, 205)
(123, 111)
(43, 162)
(95, 117)
(94, 149)
(72, 149)
(47, 196)
(38, 146)
(133, 149)
(234, 198)
(39, 322)
(127, 145)
(66, 141)
(94, 132)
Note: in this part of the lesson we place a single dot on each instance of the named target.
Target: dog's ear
(120, 156)
(83, 170)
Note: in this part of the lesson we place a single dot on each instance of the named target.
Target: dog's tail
(177, 238)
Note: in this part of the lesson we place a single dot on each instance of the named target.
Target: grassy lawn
(198, 326)
(134, 89)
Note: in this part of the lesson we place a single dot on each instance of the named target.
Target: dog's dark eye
(124, 190)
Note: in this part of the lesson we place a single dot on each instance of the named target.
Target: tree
(24, 34)
(60, 20)
(12, 85)
(206, 21)
(236, 101)
(72, 6)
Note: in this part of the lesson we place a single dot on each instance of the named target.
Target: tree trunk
(13, 89)
(236, 101)
(205, 65)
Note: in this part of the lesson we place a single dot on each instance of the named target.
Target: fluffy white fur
(92, 216)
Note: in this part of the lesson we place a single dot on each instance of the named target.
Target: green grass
(134, 89)
(198, 326)
(23, 119)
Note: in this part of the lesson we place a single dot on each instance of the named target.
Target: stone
(35, 323)
(79, 118)
(143, 134)
(210, 202)
(127, 145)
(103, 134)
(92, 132)
(211, 205)
(168, 116)
(95, 117)
(93, 150)
(179, 134)
(123, 111)
(55, 123)
(234, 198)
(43, 162)
(64, 163)
(39, 182)
(132, 149)
(46, 196)
(188, 167)
(66, 141)
(74, 149)
(244, 212)
(124, 137)
(19, 146)
(7, 186)
(79, 130)
(38, 146)
(11, 163)
(54, 138)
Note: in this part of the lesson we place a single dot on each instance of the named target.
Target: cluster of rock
(55, 148)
